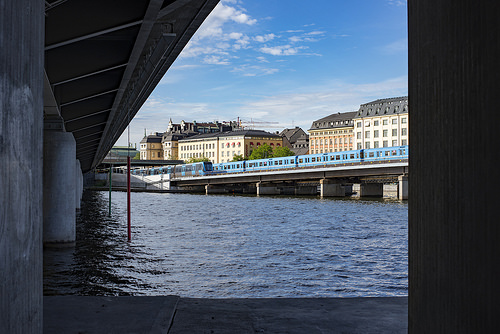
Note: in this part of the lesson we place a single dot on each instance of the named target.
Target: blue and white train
(383, 154)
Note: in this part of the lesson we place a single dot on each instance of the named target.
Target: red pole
(128, 200)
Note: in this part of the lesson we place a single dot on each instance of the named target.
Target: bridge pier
(78, 185)
(403, 187)
(330, 189)
(215, 189)
(59, 165)
(267, 189)
(371, 190)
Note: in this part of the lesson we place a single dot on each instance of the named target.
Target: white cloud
(215, 60)
(281, 50)
(397, 2)
(301, 109)
(264, 38)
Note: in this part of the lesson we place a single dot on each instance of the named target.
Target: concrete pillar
(59, 217)
(305, 190)
(21, 126)
(403, 187)
(214, 189)
(371, 190)
(78, 185)
(453, 224)
(267, 189)
(330, 189)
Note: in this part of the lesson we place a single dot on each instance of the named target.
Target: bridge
(332, 181)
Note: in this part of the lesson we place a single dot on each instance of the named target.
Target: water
(222, 246)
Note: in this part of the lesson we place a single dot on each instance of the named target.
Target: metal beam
(92, 35)
(89, 74)
(88, 97)
(85, 116)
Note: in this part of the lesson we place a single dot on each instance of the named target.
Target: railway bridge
(332, 181)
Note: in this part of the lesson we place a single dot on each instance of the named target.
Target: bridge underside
(103, 58)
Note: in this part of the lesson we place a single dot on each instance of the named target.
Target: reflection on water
(233, 246)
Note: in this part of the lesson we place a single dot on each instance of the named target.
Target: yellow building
(223, 146)
(382, 123)
(332, 133)
(151, 148)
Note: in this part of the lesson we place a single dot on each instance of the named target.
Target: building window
(376, 123)
(367, 144)
(394, 121)
(375, 133)
(358, 135)
(375, 144)
(394, 143)
(394, 132)
(403, 120)
(358, 124)
(367, 134)
(385, 122)
(385, 143)
(385, 133)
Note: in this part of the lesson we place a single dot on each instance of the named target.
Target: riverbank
(178, 315)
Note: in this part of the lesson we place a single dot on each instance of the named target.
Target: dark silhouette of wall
(21, 121)
(453, 211)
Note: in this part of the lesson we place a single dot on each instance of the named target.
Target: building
(223, 146)
(296, 139)
(151, 148)
(382, 123)
(332, 133)
(183, 130)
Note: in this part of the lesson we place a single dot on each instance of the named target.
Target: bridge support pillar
(371, 190)
(78, 185)
(21, 133)
(267, 189)
(403, 187)
(59, 165)
(330, 189)
(214, 189)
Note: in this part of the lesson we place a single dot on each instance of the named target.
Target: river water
(221, 246)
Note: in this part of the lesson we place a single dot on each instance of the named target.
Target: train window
(352, 156)
(371, 154)
(301, 161)
(313, 159)
(394, 152)
(260, 163)
(265, 163)
(276, 163)
(280, 162)
(386, 153)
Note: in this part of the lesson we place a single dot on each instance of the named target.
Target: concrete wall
(453, 217)
(21, 117)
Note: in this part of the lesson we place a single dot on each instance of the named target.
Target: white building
(382, 123)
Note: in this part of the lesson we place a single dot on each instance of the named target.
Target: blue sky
(281, 64)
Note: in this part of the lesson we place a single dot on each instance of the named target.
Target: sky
(277, 64)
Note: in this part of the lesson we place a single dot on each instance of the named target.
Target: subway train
(383, 154)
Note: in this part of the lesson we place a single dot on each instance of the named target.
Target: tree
(137, 156)
(262, 152)
(193, 160)
(282, 151)
(238, 157)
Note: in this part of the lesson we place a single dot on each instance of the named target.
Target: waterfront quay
(176, 315)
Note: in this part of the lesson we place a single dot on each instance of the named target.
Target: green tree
(137, 156)
(193, 160)
(262, 152)
(282, 151)
(238, 157)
